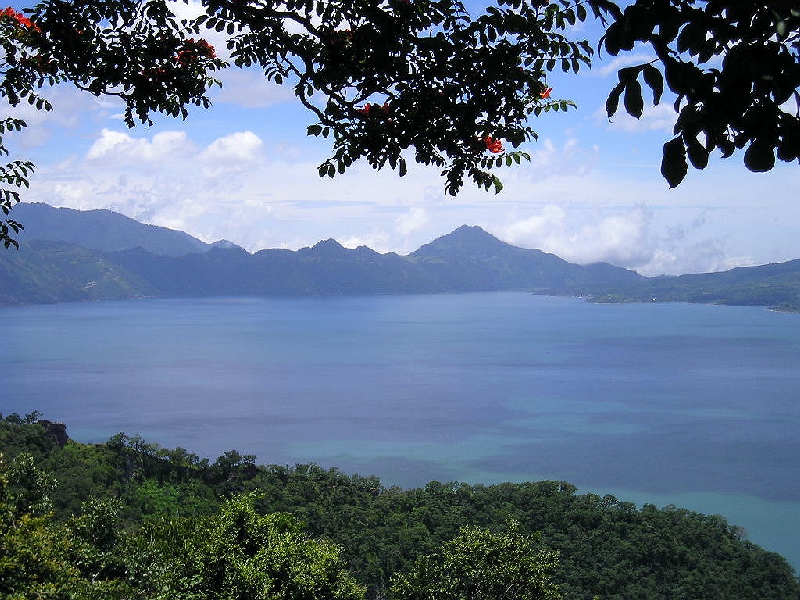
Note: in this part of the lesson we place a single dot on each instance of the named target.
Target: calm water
(665, 403)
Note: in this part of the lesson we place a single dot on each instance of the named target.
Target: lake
(691, 405)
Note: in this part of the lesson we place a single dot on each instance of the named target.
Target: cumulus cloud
(533, 231)
(705, 256)
(119, 146)
(621, 239)
(236, 147)
(414, 219)
(376, 240)
(235, 152)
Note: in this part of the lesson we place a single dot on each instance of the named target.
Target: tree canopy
(131, 519)
(479, 564)
(734, 68)
(387, 81)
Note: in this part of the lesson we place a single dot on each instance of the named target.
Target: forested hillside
(776, 285)
(133, 519)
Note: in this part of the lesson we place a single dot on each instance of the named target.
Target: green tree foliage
(733, 67)
(479, 564)
(39, 559)
(158, 523)
(238, 554)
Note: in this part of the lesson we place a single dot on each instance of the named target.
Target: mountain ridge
(111, 231)
(118, 257)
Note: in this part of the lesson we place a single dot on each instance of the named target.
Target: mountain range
(69, 255)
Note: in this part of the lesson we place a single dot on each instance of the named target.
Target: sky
(245, 171)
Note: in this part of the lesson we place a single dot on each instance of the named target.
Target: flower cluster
(19, 18)
(193, 50)
(493, 145)
(375, 109)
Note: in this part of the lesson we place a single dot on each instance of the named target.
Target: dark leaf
(655, 81)
(612, 102)
(634, 103)
(759, 156)
(698, 155)
(673, 163)
(613, 38)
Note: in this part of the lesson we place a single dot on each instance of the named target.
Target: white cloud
(236, 152)
(533, 231)
(620, 239)
(376, 240)
(702, 257)
(186, 9)
(119, 146)
(414, 219)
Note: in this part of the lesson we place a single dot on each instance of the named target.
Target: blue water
(692, 405)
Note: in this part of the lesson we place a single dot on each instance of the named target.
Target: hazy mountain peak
(466, 240)
(226, 244)
(328, 245)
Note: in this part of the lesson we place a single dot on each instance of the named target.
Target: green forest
(129, 519)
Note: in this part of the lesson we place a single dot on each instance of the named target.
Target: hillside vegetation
(147, 516)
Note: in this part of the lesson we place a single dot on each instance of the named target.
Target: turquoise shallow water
(665, 403)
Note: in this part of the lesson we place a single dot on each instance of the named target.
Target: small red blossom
(19, 18)
(374, 109)
(546, 93)
(493, 145)
(193, 50)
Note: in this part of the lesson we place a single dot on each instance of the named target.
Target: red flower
(374, 109)
(193, 50)
(546, 93)
(19, 18)
(493, 145)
